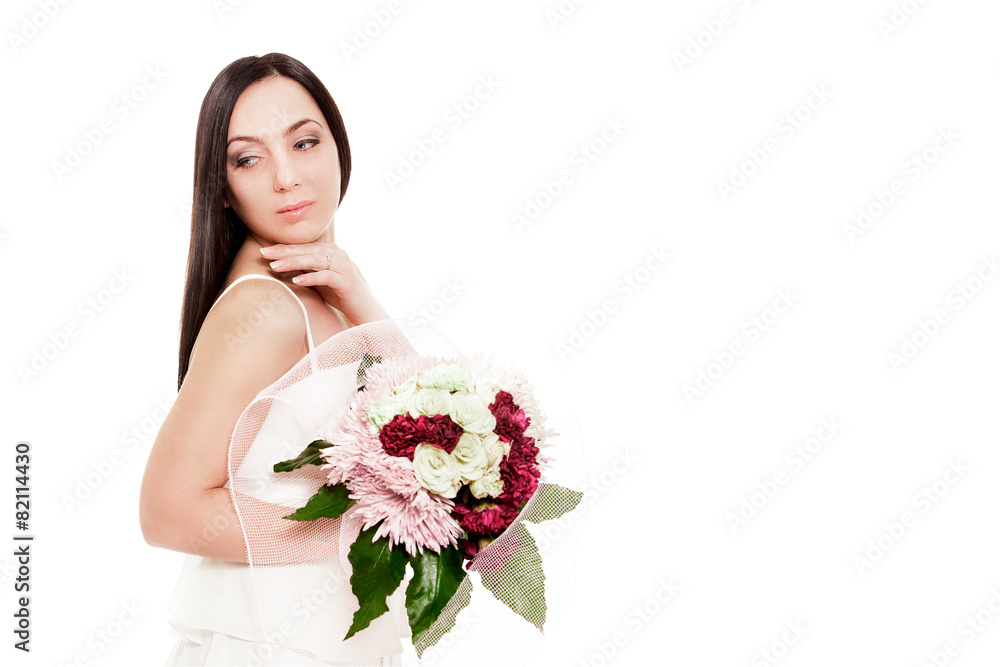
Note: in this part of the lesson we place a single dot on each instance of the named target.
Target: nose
(285, 175)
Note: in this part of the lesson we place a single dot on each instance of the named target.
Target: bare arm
(183, 504)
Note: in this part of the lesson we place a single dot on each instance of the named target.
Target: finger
(289, 249)
(272, 250)
(328, 278)
(305, 263)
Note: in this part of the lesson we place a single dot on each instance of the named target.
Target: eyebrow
(258, 140)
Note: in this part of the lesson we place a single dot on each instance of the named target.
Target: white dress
(227, 613)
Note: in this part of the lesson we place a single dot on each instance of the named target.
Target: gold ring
(327, 262)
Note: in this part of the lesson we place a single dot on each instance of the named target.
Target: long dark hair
(216, 231)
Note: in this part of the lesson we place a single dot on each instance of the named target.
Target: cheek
(241, 191)
(327, 170)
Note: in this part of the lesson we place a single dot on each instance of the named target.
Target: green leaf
(520, 582)
(367, 361)
(552, 502)
(329, 501)
(445, 621)
(377, 570)
(436, 577)
(309, 457)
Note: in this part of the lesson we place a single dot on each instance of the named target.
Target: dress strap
(309, 336)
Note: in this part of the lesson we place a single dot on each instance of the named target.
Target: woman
(265, 284)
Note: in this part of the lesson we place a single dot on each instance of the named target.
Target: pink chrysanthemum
(415, 522)
(383, 485)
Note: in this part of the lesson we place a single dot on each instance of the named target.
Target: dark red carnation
(488, 519)
(518, 485)
(511, 420)
(402, 435)
(519, 472)
(399, 437)
(439, 430)
(523, 447)
(469, 547)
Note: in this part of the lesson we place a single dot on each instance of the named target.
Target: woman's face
(281, 154)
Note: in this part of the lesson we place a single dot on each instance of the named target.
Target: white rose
(489, 484)
(436, 470)
(487, 391)
(469, 411)
(470, 457)
(495, 448)
(383, 410)
(450, 377)
(407, 387)
(430, 402)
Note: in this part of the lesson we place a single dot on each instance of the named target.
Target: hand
(342, 285)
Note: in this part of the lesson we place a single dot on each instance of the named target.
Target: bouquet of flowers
(441, 459)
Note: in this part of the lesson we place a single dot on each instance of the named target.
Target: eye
(251, 160)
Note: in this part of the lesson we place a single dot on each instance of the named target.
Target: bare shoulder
(256, 332)
(259, 303)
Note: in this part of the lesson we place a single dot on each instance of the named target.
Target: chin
(300, 231)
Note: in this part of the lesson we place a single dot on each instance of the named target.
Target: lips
(296, 207)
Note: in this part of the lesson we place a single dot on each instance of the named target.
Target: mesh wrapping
(299, 571)
(502, 566)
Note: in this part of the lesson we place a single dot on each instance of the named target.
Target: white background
(685, 462)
